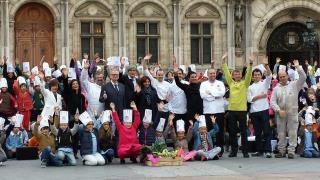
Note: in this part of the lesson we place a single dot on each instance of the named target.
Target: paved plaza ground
(225, 168)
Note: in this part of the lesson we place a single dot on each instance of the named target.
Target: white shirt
(212, 94)
(257, 89)
(93, 92)
(178, 101)
(161, 87)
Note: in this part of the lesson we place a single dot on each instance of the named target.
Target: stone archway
(34, 33)
(286, 42)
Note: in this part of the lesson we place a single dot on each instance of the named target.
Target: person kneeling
(128, 142)
(89, 140)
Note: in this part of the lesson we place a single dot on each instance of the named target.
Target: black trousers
(237, 122)
(220, 122)
(262, 130)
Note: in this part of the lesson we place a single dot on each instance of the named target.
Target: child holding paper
(24, 99)
(106, 137)
(203, 143)
(47, 145)
(147, 132)
(180, 139)
(18, 137)
(90, 142)
(8, 102)
(161, 131)
(128, 142)
(64, 137)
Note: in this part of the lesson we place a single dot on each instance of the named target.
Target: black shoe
(268, 155)
(246, 155)
(109, 161)
(257, 154)
(232, 154)
(122, 161)
(290, 156)
(134, 160)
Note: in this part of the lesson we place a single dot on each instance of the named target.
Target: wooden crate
(166, 162)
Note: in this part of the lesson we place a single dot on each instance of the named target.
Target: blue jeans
(311, 153)
(69, 156)
(50, 158)
(108, 154)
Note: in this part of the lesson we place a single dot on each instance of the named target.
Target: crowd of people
(104, 110)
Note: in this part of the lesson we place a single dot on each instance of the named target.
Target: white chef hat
(3, 83)
(127, 115)
(85, 118)
(10, 68)
(193, 67)
(57, 73)
(18, 120)
(47, 72)
(147, 116)
(184, 69)
(47, 111)
(25, 67)
(160, 126)
(2, 121)
(62, 67)
(35, 70)
(205, 73)
(202, 121)
(45, 65)
(44, 122)
(180, 126)
(21, 80)
(37, 81)
(106, 116)
(64, 117)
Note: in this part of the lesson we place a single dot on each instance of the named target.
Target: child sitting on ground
(47, 145)
(106, 137)
(128, 142)
(64, 137)
(181, 140)
(147, 132)
(203, 142)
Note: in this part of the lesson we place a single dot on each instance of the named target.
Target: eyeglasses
(90, 124)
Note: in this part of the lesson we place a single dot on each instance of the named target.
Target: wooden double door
(34, 34)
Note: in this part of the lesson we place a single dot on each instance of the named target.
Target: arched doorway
(286, 42)
(34, 33)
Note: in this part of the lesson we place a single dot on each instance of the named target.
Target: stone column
(230, 34)
(177, 30)
(121, 29)
(248, 29)
(5, 31)
(65, 54)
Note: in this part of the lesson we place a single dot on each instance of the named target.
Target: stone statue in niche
(238, 33)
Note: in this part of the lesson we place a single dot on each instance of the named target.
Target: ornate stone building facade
(195, 31)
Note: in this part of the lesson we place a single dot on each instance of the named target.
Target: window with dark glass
(92, 38)
(201, 42)
(148, 37)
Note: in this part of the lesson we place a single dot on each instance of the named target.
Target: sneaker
(257, 154)
(122, 161)
(280, 155)
(232, 154)
(246, 155)
(43, 164)
(268, 155)
(290, 156)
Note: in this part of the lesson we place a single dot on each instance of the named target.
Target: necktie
(116, 87)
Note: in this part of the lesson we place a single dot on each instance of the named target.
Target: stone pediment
(148, 10)
(202, 11)
(92, 9)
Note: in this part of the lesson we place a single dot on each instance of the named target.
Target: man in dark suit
(130, 83)
(114, 92)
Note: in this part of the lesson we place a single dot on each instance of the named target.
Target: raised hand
(278, 60)
(196, 116)
(133, 105)
(213, 119)
(148, 56)
(39, 118)
(225, 55)
(191, 123)
(295, 63)
(113, 107)
(105, 96)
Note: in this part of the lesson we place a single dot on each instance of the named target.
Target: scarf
(147, 94)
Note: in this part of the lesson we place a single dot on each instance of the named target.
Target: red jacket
(127, 136)
(24, 99)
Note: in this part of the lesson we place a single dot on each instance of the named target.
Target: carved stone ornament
(202, 11)
(92, 9)
(148, 10)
